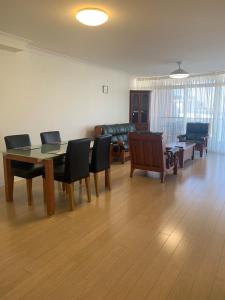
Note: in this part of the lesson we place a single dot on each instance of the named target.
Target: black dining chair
(76, 167)
(23, 169)
(50, 137)
(100, 160)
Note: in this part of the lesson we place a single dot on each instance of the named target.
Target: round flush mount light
(92, 16)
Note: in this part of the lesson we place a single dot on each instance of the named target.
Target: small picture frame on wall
(105, 89)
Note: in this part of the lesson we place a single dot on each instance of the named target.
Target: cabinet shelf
(139, 109)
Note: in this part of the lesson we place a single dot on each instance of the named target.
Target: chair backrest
(118, 129)
(100, 159)
(147, 151)
(197, 130)
(50, 137)
(17, 141)
(77, 160)
(119, 132)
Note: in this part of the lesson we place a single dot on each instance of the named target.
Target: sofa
(119, 132)
(197, 133)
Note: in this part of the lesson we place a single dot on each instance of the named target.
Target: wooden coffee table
(186, 151)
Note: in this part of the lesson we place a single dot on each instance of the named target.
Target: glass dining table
(40, 154)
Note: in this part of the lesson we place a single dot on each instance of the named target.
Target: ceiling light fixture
(92, 16)
(179, 73)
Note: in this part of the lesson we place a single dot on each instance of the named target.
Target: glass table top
(40, 152)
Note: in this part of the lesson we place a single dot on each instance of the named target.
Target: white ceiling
(142, 37)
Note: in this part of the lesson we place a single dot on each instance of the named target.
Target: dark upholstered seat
(28, 171)
(76, 167)
(100, 159)
(197, 133)
(23, 169)
(119, 133)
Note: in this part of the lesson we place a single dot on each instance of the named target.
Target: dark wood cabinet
(139, 109)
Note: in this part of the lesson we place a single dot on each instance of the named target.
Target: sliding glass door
(174, 103)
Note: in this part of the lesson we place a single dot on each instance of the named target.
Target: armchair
(148, 152)
(196, 133)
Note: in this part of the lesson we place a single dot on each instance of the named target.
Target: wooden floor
(142, 240)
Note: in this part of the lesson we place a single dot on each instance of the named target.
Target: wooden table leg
(49, 186)
(9, 178)
(193, 153)
(181, 158)
(176, 158)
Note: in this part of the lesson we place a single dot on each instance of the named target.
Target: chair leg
(122, 156)
(59, 185)
(96, 183)
(67, 189)
(162, 176)
(87, 183)
(107, 179)
(201, 151)
(29, 191)
(71, 194)
(63, 186)
(175, 169)
(131, 172)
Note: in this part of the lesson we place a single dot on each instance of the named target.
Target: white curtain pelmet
(195, 99)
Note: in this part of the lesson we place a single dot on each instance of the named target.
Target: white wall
(133, 83)
(41, 91)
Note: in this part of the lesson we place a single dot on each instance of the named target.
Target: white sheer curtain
(195, 99)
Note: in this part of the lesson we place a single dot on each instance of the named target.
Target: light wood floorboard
(141, 240)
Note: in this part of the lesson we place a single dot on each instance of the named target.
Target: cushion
(119, 133)
(28, 171)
